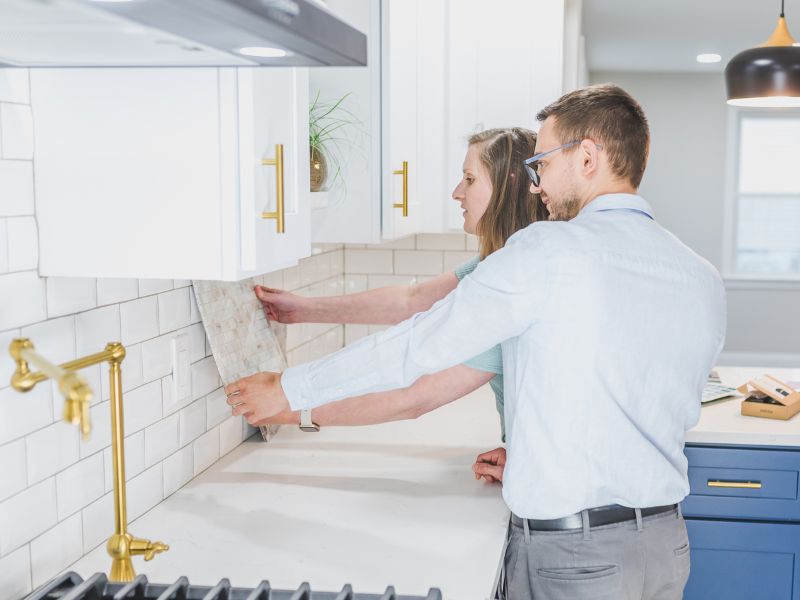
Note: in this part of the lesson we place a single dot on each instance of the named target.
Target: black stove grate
(71, 586)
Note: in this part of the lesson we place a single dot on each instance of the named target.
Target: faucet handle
(146, 547)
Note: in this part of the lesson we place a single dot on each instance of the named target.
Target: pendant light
(767, 75)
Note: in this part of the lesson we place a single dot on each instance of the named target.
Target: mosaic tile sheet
(242, 340)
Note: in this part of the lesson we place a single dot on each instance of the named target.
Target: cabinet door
(272, 111)
(350, 210)
(413, 86)
(127, 172)
(743, 560)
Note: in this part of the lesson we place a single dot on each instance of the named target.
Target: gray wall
(685, 184)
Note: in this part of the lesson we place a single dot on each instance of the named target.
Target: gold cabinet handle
(749, 485)
(277, 214)
(404, 203)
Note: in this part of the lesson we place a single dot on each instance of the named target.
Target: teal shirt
(491, 360)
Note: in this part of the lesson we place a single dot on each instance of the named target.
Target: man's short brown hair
(609, 116)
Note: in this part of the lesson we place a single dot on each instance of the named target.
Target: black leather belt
(602, 515)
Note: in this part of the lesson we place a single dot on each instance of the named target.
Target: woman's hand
(490, 465)
(281, 306)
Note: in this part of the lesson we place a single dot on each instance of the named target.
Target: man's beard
(566, 209)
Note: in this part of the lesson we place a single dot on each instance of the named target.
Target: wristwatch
(306, 424)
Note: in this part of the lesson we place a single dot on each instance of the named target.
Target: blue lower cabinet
(743, 560)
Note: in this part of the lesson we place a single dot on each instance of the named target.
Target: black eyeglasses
(532, 163)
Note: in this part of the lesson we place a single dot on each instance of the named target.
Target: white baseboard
(760, 359)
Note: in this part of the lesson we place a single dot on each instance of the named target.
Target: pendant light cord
(782, 6)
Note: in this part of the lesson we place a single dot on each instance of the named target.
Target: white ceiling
(667, 35)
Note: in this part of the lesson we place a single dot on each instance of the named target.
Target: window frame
(731, 204)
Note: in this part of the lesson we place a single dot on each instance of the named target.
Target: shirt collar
(616, 202)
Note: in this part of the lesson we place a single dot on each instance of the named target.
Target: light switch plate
(181, 370)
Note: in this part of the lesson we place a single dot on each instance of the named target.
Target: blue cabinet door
(740, 560)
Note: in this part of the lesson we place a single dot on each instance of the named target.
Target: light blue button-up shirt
(609, 327)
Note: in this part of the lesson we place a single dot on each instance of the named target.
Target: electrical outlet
(181, 371)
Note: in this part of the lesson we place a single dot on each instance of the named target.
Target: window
(764, 194)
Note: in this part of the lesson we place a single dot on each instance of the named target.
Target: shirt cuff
(294, 382)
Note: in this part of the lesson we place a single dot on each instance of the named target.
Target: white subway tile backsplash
(417, 262)
(144, 492)
(26, 515)
(12, 467)
(291, 279)
(23, 244)
(113, 291)
(16, 127)
(161, 440)
(98, 522)
(157, 357)
(455, 259)
(205, 377)
(53, 339)
(230, 434)
(50, 450)
(194, 312)
(68, 295)
(174, 310)
(368, 261)
(24, 413)
(138, 320)
(197, 342)
(404, 243)
(217, 408)
(80, 484)
(134, 460)
(192, 422)
(7, 365)
(206, 450)
(178, 470)
(354, 333)
(354, 284)
(56, 549)
(142, 406)
(22, 299)
(15, 574)
(337, 263)
(16, 188)
(14, 87)
(96, 328)
(441, 241)
(3, 247)
(148, 287)
(181, 283)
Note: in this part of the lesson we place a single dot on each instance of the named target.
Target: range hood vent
(170, 33)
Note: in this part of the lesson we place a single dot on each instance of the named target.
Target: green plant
(325, 123)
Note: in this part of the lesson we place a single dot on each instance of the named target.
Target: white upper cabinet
(171, 173)
(447, 69)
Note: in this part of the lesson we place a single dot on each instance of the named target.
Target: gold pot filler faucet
(121, 545)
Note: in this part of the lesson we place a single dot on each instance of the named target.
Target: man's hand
(280, 306)
(490, 465)
(257, 397)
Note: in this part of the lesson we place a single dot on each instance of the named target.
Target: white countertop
(393, 504)
(721, 421)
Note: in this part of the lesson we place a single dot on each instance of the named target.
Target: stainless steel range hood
(160, 33)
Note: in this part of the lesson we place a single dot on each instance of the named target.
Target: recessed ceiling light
(262, 52)
(708, 58)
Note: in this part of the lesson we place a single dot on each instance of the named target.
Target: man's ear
(591, 156)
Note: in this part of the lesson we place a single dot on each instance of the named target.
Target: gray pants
(623, 561)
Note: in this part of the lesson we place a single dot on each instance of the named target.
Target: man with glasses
(609, 327)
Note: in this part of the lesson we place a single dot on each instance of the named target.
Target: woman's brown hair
(512, 206)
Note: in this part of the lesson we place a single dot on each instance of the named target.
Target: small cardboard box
(769, 398)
